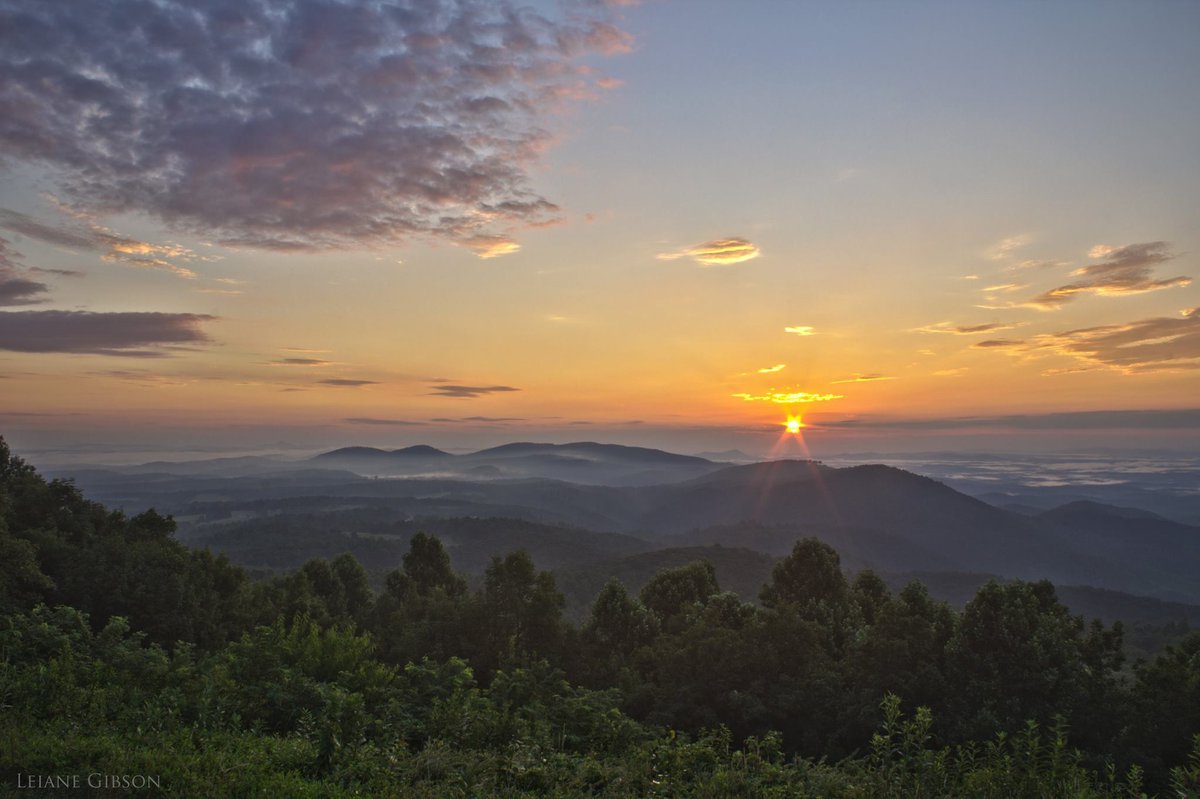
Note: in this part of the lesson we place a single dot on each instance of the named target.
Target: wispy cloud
(964, 330)
(779, 367)
(1147, 345)
(1123, 270)
(801, 330)
(492, 246)
(366, 420)
(134, 335)
(91, 237)
(998, 344)
(295, 124)
(484, 419)
(788, 397)
(1070, 420)
(345, 382)
(15, 287)
(300, 362)
(1004, 249)
(867, 378)
(1037, 264)
(467, 392)
(720, 252)
(145, 377)
(1159, 344)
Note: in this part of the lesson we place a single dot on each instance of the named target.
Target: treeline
(124, 652)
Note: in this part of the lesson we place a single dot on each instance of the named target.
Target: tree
(426, 569)
(522, 610)
(871, 594)
(672, 592)
(424, 608)
(1016, 655)
(618, 623)
(902, 653)
(1166, 703)
(809, 582)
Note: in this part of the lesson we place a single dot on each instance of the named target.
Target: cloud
(1148, 345)
(143, 377)
(720, 252)
(490, 419)
(343, 382)
(788, 397)
(366, 420)
(297, 124)
(465, 392)
(91, 237)
(137, 335)
(60, 272)
(1004, 249)
(1038, 264)
(19, 291)
(1124, 270)
(1070, 420)
(301, 362)
(489, 246)
(1159, 344)
(964, 330)
(997, 344)
(15, 287)
(868, 378)
(779, 367)
(801, 330)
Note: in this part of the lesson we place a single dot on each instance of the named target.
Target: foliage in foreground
(293, 710)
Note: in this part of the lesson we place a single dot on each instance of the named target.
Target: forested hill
(124, 652)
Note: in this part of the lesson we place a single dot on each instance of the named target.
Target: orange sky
(616, 233)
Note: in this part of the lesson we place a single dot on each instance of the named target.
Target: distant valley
(590, 511)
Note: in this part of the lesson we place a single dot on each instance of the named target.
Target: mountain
(729, 456)
(876, 516)
(381, 455)
(1180, 503)
(1090, 511)
(1163, 551)
(581, 462)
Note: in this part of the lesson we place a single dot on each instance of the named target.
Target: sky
(295, 224)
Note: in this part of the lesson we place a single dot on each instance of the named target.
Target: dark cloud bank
(295, 124)
(138, 335)
(1069, 420)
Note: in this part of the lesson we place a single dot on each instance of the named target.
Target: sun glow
(793, 424)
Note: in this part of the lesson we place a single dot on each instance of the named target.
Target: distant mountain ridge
(415, 451)
(588, 462)
(878, 516)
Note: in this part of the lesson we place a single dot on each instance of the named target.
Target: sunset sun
(793, 424)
